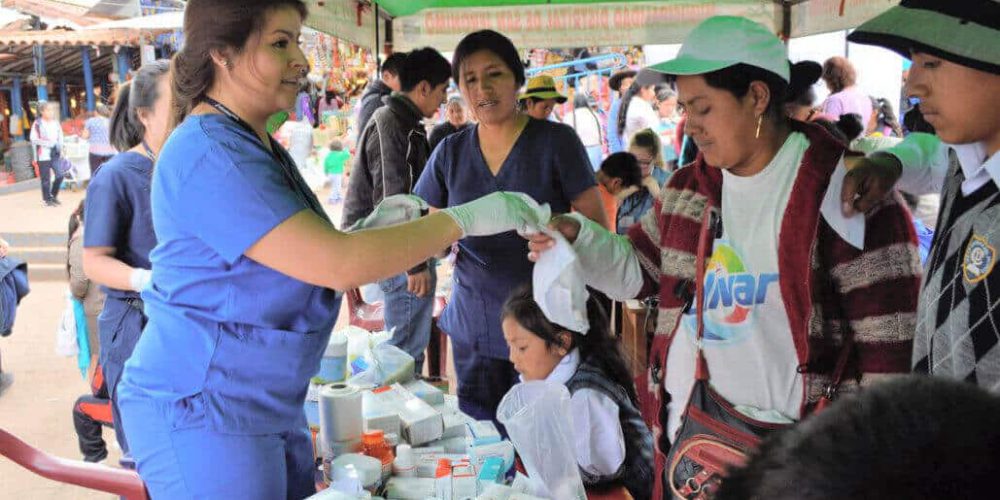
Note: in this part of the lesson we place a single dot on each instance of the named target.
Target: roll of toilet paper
(339, 414)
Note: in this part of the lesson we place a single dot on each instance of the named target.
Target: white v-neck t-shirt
(748, 344)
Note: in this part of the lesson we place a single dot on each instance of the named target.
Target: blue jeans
(410, 315)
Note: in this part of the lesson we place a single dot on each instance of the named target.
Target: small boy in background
(333, 165)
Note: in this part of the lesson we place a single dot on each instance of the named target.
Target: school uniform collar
(974, 162)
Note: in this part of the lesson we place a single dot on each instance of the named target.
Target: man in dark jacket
(391, 154)
(379, 89)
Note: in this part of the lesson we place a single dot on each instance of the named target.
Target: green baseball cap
(723, 41)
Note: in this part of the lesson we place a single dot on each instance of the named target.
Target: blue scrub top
(548, 162)
(230, 343)
(118, 212)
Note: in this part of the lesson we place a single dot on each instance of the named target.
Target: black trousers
(96, 161)
(91, 413)
(50, 180)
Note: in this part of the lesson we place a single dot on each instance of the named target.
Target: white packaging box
(379, 416)
(426, 464)
(454, 421)
(482, 432)
(421, 422)
(503, 450)
(425, 391)
(464, 483)
(409, 488)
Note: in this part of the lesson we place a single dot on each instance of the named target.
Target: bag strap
(710, 220)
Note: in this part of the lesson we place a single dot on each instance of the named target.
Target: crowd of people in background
(793, 248)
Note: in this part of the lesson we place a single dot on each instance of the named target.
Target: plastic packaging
(384, 364)
(538, 419)
(366, 470)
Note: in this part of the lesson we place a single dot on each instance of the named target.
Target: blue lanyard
(288, 168)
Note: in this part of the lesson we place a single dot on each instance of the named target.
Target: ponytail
(623, 111)
(126, 130)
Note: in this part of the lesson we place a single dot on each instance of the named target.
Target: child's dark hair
(624, 166)
(913, 437)
(597, 347)
(336, 145)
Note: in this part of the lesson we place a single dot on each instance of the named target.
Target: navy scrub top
(230, 343)
(118, 212)
(548, 162)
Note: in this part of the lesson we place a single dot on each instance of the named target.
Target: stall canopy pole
(15, 100)
(88, 77)
(38, 52)
(64, 99)
(378, 59)
(123, 64)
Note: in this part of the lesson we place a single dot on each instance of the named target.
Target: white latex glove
(495, 213)
(140, 279)
(393, 210)
(609, 261)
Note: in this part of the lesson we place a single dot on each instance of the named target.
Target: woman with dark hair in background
(584, 121)
(749, 211)
(506, 150)
(119, 229)
(247, 267)
(637, 111)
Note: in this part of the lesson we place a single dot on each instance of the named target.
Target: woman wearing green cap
(769, 299)
(956, 76)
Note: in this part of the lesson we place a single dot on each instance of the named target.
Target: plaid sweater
(829, 287)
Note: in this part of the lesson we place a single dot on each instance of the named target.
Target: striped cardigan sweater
(829, 287)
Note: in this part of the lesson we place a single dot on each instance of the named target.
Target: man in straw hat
(956, 76)
(540, 97)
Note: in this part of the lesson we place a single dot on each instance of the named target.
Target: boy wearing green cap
(956, 76)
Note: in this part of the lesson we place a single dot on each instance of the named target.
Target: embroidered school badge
(979, 260)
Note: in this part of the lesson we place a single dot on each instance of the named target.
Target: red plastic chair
(121, 482)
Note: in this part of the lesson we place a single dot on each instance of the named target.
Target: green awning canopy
(399, 8)
(575, 23)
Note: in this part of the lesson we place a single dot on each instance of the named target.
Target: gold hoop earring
(760, 119)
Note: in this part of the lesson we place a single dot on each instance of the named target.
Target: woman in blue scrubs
(506, 151)
(118, 235)
(245, 271)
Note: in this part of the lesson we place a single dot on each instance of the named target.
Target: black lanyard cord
(288, 168)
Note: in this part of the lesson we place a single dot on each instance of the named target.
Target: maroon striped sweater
(828, 286)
